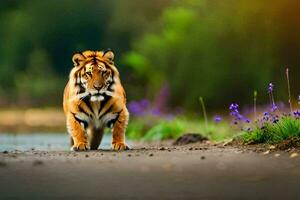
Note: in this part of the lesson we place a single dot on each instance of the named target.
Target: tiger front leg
(77, 133)
(119, 129)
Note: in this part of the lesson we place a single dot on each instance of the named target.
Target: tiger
(93, 99)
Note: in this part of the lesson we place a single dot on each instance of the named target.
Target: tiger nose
(97, 87)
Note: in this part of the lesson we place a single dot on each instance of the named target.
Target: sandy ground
(197, 171)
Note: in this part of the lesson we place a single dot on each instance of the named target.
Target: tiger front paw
(120, 146)
(80, 147)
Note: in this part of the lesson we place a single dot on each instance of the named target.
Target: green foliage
(165, 130)
(149, 128)
(218, 132)
(193, 43)
(38, 82)
(58, 29)
(194, 46)
(287, 127)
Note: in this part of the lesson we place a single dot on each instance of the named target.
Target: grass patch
(285, 128)
(155, 128)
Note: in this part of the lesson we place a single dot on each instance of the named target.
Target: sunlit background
(168, 52)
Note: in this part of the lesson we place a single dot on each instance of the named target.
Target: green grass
(154, 128)
(287, 127)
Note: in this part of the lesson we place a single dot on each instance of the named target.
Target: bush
(285, 128)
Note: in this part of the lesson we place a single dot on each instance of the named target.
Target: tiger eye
(104, 72)
(89, 68)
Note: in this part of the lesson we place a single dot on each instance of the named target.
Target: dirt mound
(288, 144)
(189, 138)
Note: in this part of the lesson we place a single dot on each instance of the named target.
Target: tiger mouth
(100, 95)
(97, 97)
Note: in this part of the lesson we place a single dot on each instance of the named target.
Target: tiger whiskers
(80, 96)
(95, 95)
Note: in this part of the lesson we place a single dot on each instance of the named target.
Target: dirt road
(187, 172)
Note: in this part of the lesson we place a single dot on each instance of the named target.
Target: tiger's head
(94, 74)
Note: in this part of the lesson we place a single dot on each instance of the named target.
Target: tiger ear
(109, 55)
(78, 59)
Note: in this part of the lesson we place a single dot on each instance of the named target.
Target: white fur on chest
(104, 120)
(95, 121)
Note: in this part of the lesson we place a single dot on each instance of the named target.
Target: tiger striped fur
(94, 98)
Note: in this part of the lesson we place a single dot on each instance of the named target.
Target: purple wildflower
(217, 118)
(234, 107)
(239, 119)
(266, 117)
(155, 112)
(270, 88)
(144, 103)
(266, 114)
(297, 114)
(270, 118)
(270, 91)
(234, 111)
(274, 107)
(139, 108)
(275, 119)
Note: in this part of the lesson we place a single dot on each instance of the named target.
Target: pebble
(191, 148)
(272, 147)
(294, 155)
(86, 155)
(38, 162)
(266, 152)
(151, 154)
(202, 157)
(129, 155)
(277, 155)
(163, 148)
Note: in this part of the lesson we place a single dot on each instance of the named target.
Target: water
(42, 141)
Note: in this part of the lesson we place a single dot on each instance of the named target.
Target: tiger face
(94, 76)
(96, 79)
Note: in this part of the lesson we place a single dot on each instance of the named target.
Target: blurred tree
(287, 18)
(214, 49)
(61, 28)
(38, 83)
(221, 50)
